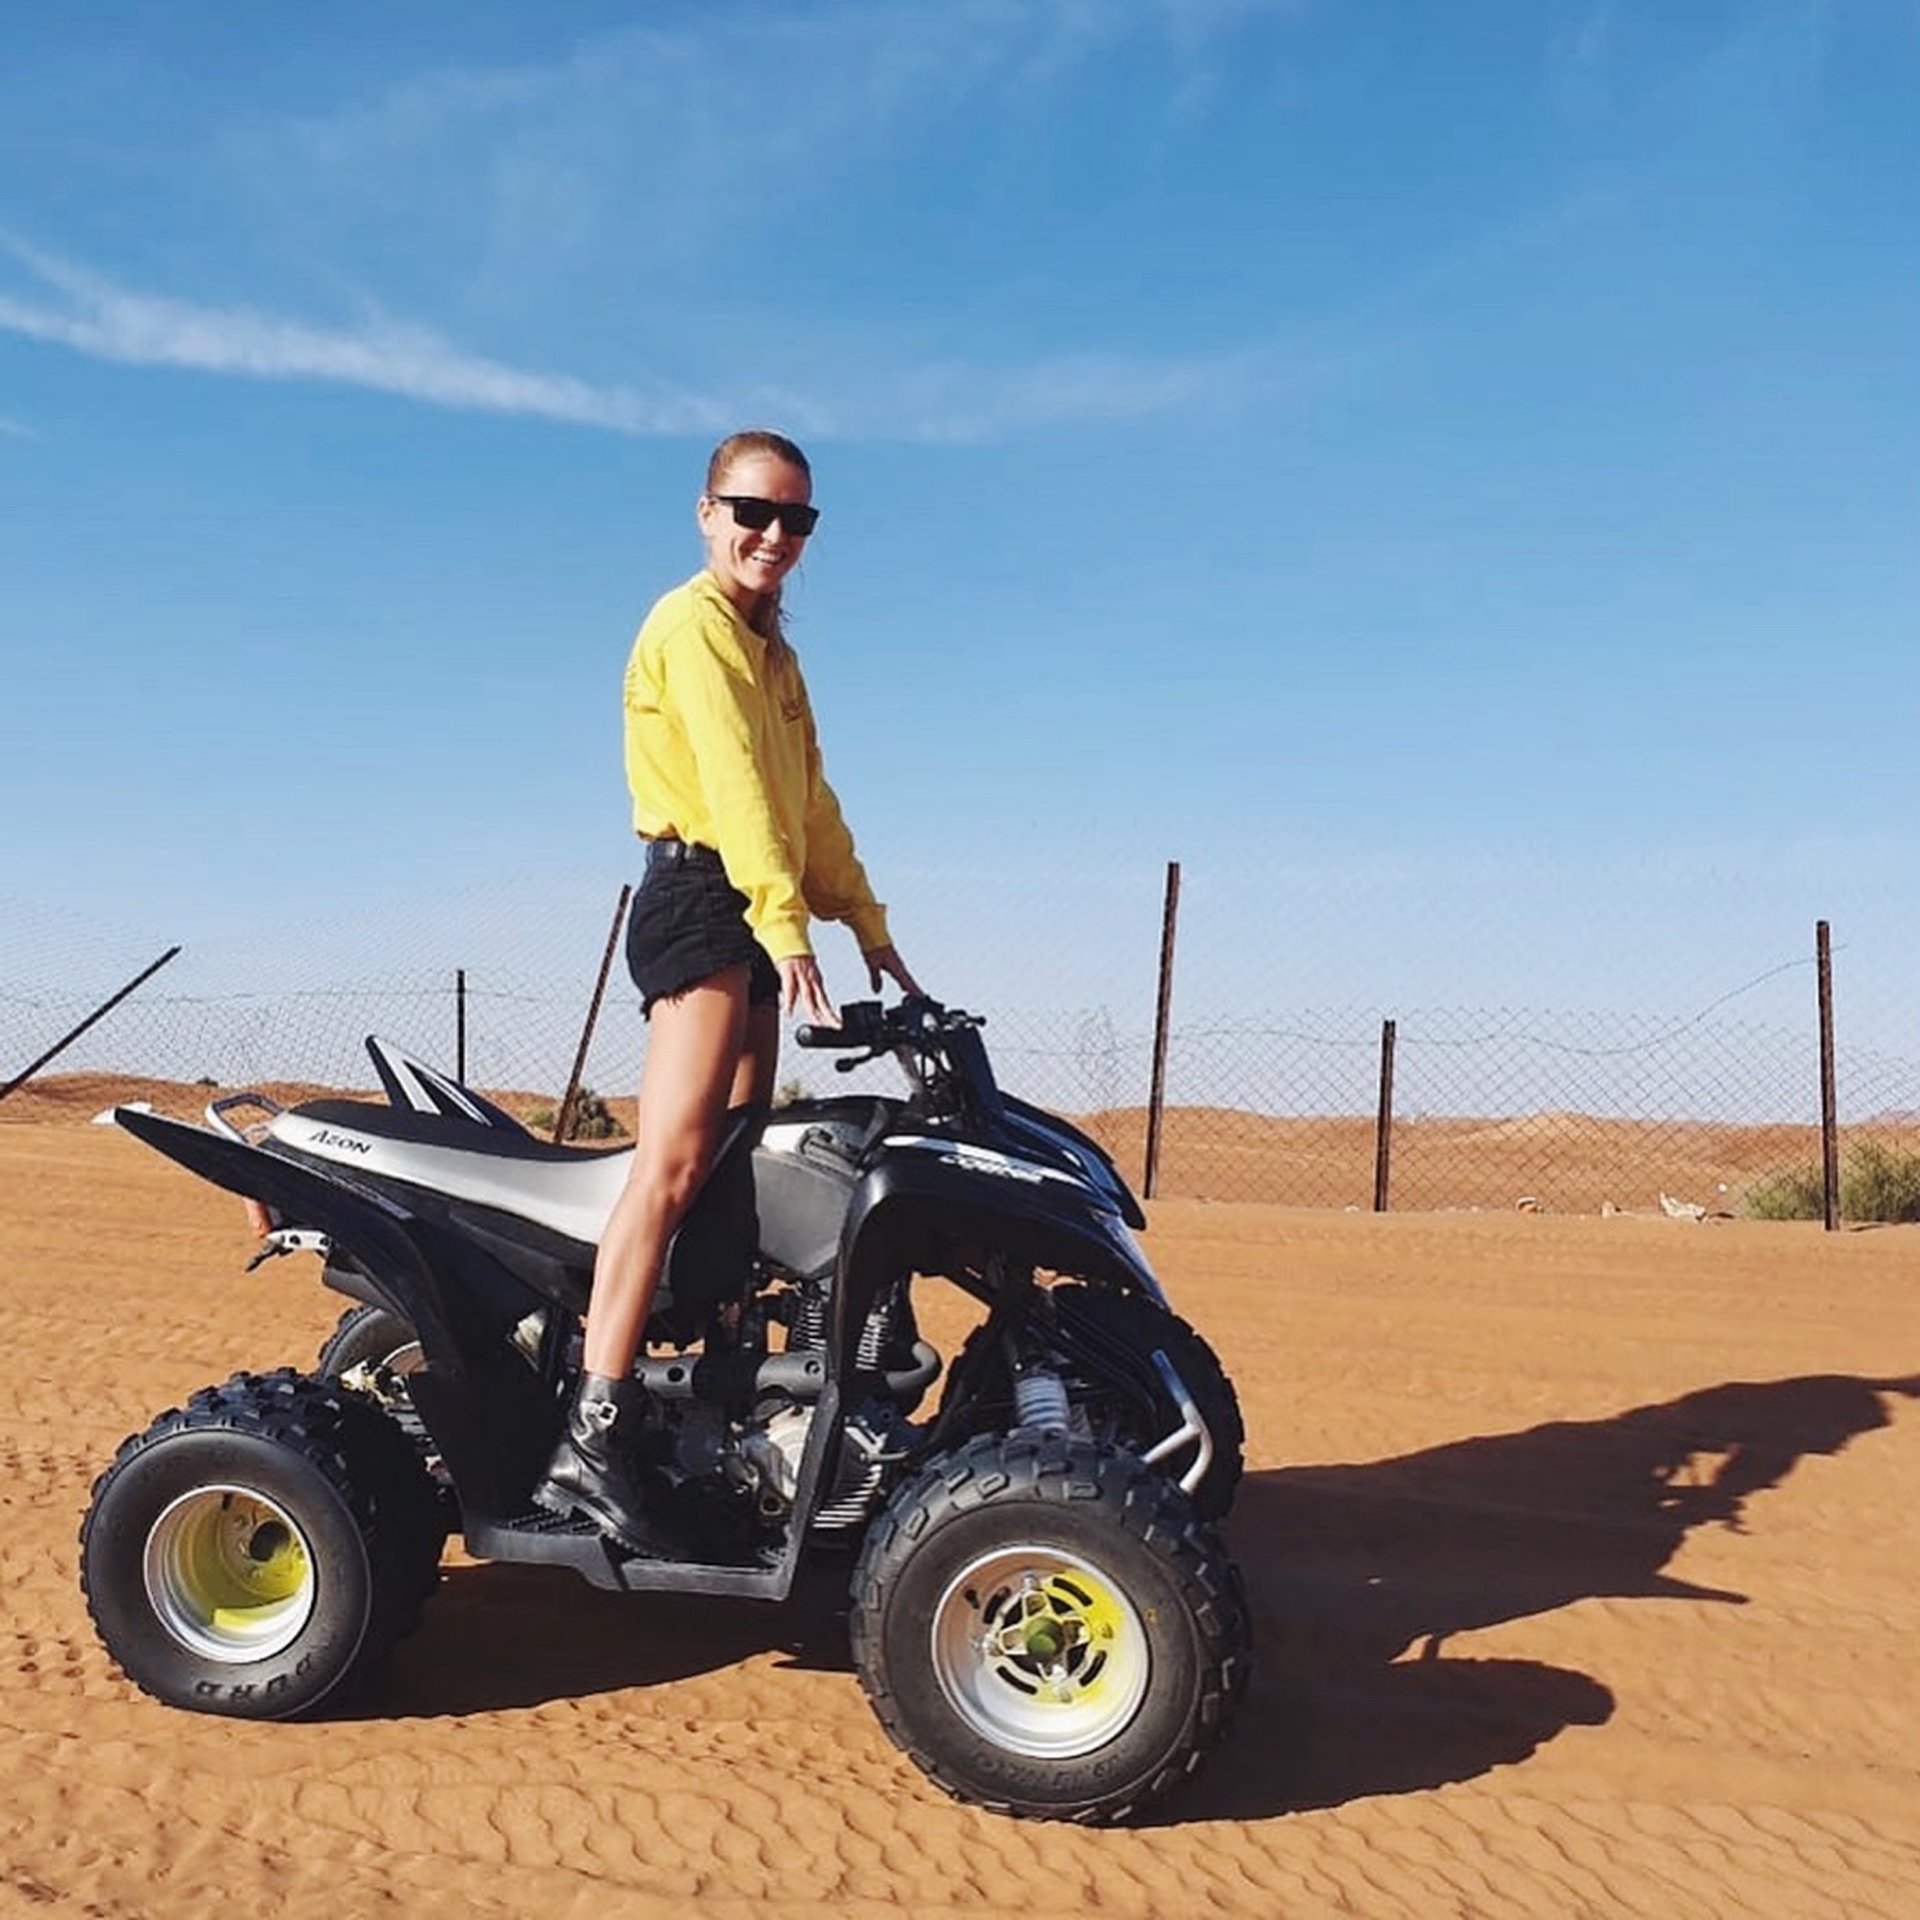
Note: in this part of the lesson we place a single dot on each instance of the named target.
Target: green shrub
(1877, 1183)
(593, 1118)
(1798, 1195)
(1880, 1183)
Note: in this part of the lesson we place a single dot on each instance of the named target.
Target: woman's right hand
(883, 962)
(803, 993)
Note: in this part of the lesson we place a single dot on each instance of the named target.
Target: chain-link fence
(1677, 1062)
(1562, 1111)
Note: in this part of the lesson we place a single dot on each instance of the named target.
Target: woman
(745, 846)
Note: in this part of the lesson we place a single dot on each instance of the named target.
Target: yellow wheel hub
(1040, 1651)
(229, 1574)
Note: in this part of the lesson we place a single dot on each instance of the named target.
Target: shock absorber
(887, 1338)
(876, 1336)
(1040, 1398)
(808, 1328)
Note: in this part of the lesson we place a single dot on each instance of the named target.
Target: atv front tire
(1047, 1628)
(250, 1552)
(1106, 1341)
(1089, 1314)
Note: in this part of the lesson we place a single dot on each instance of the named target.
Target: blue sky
(1306, 439)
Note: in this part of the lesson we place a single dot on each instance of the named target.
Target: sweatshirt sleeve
(837, 887)
(724, 711)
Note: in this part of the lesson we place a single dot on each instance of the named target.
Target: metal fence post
(1383, 1121)
(105, 1007)
(563, 1119)
(1157, 1095)
(460, 1025)
(1829, 1106)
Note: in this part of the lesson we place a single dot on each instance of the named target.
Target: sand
(1582, 1553)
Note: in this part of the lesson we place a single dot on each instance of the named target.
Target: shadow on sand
(515, 1636)
(1347, 1567)
(1350, 1567)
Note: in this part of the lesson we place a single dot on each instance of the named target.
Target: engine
(875, 1436)
(731, 1429)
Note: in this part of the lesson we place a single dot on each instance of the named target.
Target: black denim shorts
(688, 923)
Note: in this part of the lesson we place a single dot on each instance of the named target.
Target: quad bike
(1043, 1615)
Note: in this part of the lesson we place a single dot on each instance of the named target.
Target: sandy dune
(1550, 1162)
(1582, 1551)
(1562, 1162)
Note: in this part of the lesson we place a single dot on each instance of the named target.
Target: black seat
(439, 1130)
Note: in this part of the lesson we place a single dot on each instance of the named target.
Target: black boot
(593, 1471)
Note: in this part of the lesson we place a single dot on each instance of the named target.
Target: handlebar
(868, 1026)
(936, 1048)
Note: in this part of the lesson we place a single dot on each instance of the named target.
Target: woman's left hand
(887, 961)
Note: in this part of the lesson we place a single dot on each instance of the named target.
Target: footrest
(548, 1539)
(537, 1520)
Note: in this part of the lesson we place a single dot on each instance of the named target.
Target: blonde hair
(770, 622)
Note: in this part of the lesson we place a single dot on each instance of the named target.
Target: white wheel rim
(230, 1574)
(1040, 1651)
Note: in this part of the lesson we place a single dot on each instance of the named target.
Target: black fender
(934, 1211)
(486, 1410)
(372, 1225)
(1017, 1112)
(344, 1274)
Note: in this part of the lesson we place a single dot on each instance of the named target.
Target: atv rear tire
(1047, 1628)
(369, 1336)
(250, 1552)
(372, 1350)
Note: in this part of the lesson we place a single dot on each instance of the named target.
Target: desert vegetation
(1878, 1183)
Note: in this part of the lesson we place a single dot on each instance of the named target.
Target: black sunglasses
(757, 515)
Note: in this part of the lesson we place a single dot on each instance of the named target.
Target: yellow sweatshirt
(721, 751)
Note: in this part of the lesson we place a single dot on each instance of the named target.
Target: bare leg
(759, 1057)
(694, 1062)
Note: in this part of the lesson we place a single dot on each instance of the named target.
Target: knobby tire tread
(1154, 1510)
(367, 1461)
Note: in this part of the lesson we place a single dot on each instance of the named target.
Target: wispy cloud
(94, 316)
(958, 403)
(76, 308)
(13, 430)
(617, 157)
(548, 207)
